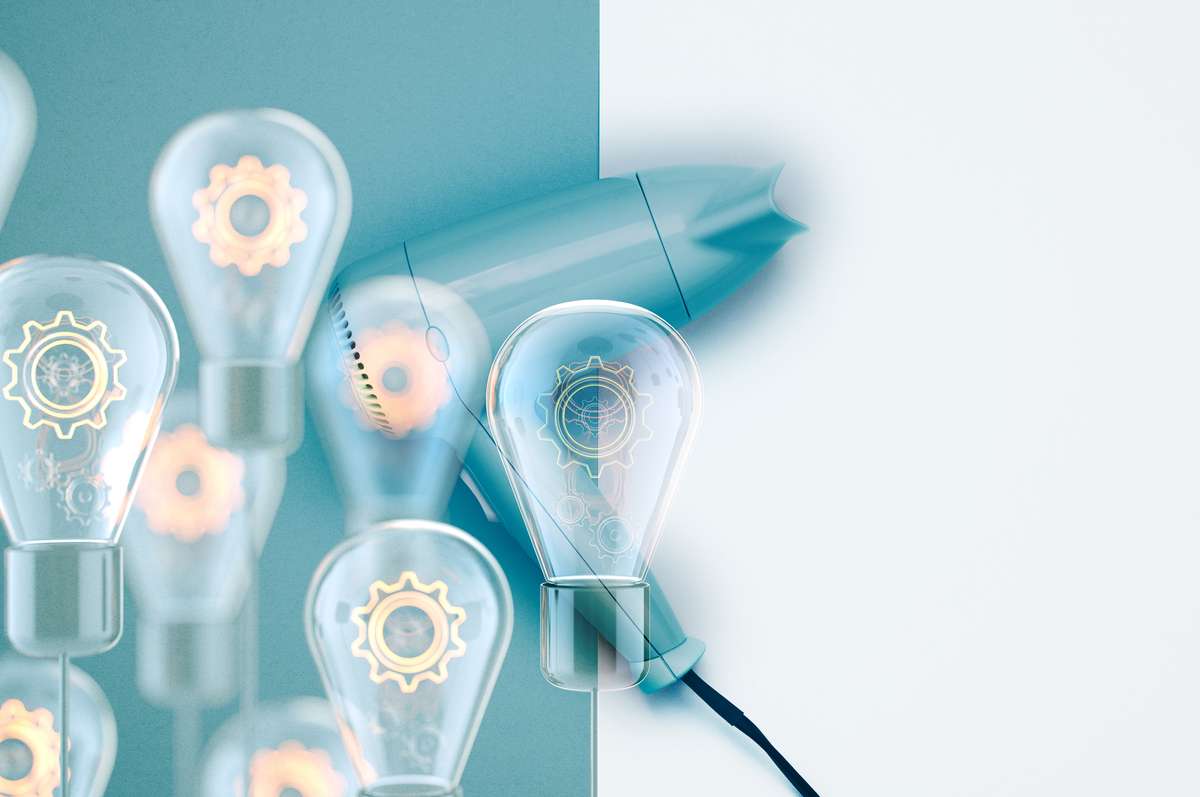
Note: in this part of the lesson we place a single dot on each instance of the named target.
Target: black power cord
(734, 716)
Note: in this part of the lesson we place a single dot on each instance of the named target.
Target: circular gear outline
(33, 728)
(189, 517)
(618, 378)
(91, 340)
(409, 672)
(291, 765)
(397, 413)
(214, 226)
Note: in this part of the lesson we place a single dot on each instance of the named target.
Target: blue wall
(440, 110)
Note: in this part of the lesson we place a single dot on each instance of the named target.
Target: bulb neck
(594, 634)
(252, 404)
(412, 786)
(184, 663)
(63, 598)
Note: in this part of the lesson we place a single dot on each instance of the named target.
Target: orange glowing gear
(247, 249)
(408, 632)
(216, 475)
(293, 768)
(405, 384)
(33, 730)
(64, 374)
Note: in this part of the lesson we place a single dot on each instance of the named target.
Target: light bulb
(251, 208)
(409, 623)
(593, 406)
(18, 123)
(296, 752)
(198, 509)
(88, 357)
(384, 360)
(31, 728)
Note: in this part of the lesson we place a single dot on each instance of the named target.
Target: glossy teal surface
(441, 111)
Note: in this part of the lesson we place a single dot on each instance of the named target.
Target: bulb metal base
(186, 663)
(252, 404)
(63, 598)
(595, 634)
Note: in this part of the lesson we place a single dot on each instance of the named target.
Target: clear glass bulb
(382, 367)
(18, 123)
(409, 623)
(251, 208)
(593, 406)
(88, 357)
(30, 731)
(198, 513)
(297, 752)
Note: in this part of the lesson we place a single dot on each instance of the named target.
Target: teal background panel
(441, 110)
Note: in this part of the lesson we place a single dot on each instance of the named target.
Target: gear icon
(594, 415)
(612, 538)
(397, 383)
(408, 632)
(64, 374)
(40, 471)
(249, 215)
(293, 768)
(84, 498)
(37, 746)
(190, 488)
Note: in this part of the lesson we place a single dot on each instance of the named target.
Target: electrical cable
(737, 718)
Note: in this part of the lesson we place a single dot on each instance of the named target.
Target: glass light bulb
(409, 623)
(18, 123)
(296, 752)
(383, 363)
(198, 510)
(30, 731)
(251, 208)
(593, 406)
(88, 357)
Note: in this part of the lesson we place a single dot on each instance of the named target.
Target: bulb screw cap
(185, 663)
(63, 598)
(594, 634)
(252, 404)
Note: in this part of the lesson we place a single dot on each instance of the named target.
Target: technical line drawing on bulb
(424, 625)
(594, 415)
(84, 497)
(292, 768)
(190, 487)
(64, 374)
(40, 471)
(81, 492)
(397, 385)
(612, 538)
(249, 215)
(32, 731)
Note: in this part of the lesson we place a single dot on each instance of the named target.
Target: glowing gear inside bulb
(64, 374)
(190, 488)
(295, 769)
(30, 764)
(594, 415)
(408, 632)
(249, 215)
(398, 383)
